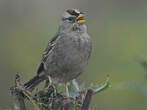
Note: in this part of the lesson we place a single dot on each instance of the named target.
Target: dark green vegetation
(53, 98)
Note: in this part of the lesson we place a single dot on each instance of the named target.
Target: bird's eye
(71, 19)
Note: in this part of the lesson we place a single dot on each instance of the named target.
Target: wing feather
(46, 53)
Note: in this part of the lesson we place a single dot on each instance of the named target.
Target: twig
(87, 100)
(18, 96)
(104, 86)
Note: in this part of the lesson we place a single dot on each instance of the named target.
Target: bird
(67, 53)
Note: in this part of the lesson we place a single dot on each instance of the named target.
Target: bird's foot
(66, 89)
(51, 84)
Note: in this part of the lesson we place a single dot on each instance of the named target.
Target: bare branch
(87, 99)
(19, 103)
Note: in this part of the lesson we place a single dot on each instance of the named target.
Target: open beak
(80, 19)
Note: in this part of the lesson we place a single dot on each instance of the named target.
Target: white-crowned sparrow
(66, 55)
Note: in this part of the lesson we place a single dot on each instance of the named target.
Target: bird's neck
(72, 28)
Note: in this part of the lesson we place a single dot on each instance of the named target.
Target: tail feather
(31, 84)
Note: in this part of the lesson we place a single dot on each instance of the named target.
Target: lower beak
(80, 20)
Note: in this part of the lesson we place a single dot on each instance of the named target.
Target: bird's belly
(69, 60)
(69, 66)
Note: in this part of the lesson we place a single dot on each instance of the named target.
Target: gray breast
(69, 57)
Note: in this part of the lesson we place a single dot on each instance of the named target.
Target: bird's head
(73, 19)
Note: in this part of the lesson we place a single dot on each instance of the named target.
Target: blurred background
(118, 29)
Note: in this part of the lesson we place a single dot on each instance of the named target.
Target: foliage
(53, 98)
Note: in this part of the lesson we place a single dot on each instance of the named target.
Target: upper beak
(80, 19)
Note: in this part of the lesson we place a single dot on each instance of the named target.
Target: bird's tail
(31, 84)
